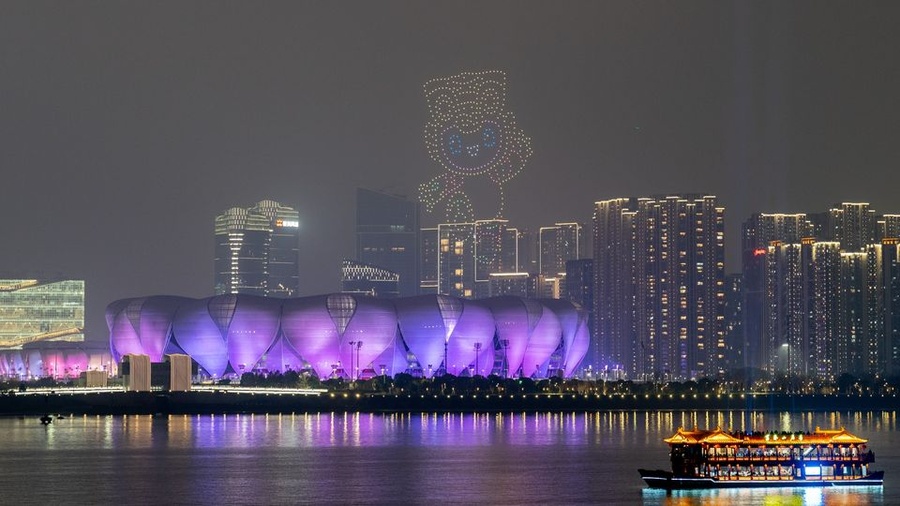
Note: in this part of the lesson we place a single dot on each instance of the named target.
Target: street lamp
(505, 344)
(787, 349)
(351, 343)
(477, 352)
(358, 346)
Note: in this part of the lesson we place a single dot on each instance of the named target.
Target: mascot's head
(470, 131)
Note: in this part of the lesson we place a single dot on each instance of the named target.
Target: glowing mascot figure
(470, 133)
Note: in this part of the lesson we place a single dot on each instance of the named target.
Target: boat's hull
(668, 481)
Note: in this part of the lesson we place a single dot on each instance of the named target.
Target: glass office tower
(34, 310)
(387, 236)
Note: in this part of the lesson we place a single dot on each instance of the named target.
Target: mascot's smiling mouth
(474, 152)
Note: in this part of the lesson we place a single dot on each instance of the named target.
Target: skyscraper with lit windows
(467, 255)
(257, 250)
(580, 290)
(757, 234)
(853, 224)
(820, 292)
(456, 259)
(557, 245)
(883, 347)
(659, 277)
(888, 226)
(615, 342)
(429, 258)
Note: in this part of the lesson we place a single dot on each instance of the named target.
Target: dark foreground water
(553, 458)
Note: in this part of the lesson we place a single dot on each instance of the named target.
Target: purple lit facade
(472, 341)
(352, 336)
(143, 325)
(62, 361)
(199, 336)
(308, 328)
(546, 337)
(426, 323)
(515, 318)
(575, 333)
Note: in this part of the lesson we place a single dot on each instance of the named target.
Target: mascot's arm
(435, 191)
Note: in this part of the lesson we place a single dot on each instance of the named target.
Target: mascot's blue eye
(454, 143)
(489, 137)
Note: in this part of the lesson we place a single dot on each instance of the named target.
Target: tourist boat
(720, 459)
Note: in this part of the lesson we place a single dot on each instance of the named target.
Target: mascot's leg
(501, 200)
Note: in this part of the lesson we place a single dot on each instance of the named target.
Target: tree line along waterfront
(294, 392)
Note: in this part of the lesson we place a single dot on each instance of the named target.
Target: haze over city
(126, 128)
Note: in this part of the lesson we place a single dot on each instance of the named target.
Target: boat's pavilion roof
(718, 436)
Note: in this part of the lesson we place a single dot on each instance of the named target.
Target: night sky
(126, 127)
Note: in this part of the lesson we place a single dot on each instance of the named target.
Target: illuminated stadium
(354, 336)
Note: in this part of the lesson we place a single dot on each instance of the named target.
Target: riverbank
(261, 401)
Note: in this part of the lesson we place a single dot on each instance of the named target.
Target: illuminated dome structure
(350, 335)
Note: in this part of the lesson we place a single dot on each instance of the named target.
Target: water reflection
(858, 496)
(361, 458)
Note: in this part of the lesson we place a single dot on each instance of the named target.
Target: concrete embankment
(120, 403)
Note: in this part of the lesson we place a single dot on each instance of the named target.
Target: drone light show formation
(471, 133)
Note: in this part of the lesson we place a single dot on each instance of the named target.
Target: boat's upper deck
(717, 436)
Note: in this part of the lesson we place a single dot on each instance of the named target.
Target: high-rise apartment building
(387, 236)
(826, 309)
(456, 259)
(496, 250)
(734, 333)
(888, 226)
(615, 281)
(883, 349)
(257, 250)
(852, 224)
(580, 290)
(429, 258)
(512, 240)
(659, 276)
(528, 252)
(467, 255)
(519, 284)
(799, 329)
(758, 233)
(820, 293)
(557, 245)
(852, 341)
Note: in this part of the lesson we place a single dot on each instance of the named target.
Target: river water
(360, 458)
